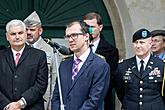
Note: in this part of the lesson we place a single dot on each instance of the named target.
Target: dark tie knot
(17, 54)
(141, 61)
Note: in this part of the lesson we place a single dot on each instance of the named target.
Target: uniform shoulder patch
(120, 61)
(64, 57)
(102, 57)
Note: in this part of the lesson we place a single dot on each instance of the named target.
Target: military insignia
(155, 72)
(102, 57)
(64, 57)
(120, 61)
(133, 67)
(129, 69)
(151, 63)
(144, 34)
(150, 67)
(151, 77)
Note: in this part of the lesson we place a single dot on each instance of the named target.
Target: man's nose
(17, 35)
(28, 31)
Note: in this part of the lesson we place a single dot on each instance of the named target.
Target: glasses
(74, 36)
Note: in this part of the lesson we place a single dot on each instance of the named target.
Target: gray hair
(15, 22)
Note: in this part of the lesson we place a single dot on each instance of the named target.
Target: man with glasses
(84, 77)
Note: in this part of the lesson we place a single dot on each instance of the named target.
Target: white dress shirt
(83, 58)
(145, 61)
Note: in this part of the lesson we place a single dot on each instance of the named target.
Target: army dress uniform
(140, 91)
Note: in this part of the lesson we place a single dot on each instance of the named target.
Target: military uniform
(140, 92)
(138, 80)
(31, 21)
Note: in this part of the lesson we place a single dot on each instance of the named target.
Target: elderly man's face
(142, 47)
(33, 33)
(16, 36)
(157, 44)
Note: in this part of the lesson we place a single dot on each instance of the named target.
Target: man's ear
(40, 30)
(101, 27)
(86, 36)
(7, 36)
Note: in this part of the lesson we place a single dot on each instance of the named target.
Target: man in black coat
(23, 71)
(102, 47)
(2, 47)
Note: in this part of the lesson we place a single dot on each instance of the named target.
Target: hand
(14, 106)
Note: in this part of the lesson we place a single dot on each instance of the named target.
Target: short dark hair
(93, 15)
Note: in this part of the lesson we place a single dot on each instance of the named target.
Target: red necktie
(75, 68)
(17, 58)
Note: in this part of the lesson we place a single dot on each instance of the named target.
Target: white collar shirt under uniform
(145, 61)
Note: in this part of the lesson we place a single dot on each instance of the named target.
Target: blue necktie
(75, 68)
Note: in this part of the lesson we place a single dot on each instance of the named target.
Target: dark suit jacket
(110, 53)
(140, 91)
(28, 79)
(88, 89)
(2, 47)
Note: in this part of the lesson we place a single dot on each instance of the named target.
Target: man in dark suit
(2, 47)
(85, 87)
(139, 79)
(23, 71)
(102, 47)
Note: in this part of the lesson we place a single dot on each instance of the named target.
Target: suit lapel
(10, 59)
(100, 47)
(135, 68)
(40, 43)
(24, 54)
(148, 68)
(82, 70)
(69, 74)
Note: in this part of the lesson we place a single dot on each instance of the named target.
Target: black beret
(157, 33)
(141, 34)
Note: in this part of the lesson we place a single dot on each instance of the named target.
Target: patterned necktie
(75, 68)
(17, 58)
(142, 66)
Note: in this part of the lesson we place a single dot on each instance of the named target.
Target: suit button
(15, 89)
(15, 76)
(141, 89)
(140, 96)
(140, 103)
(156, 81)
(141, 82)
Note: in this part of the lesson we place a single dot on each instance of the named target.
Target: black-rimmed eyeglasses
(73, 36)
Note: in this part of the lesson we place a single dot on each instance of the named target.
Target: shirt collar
(95, 44)
(84, 56)
(35, 43)
(145, 59)
(15, 52)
